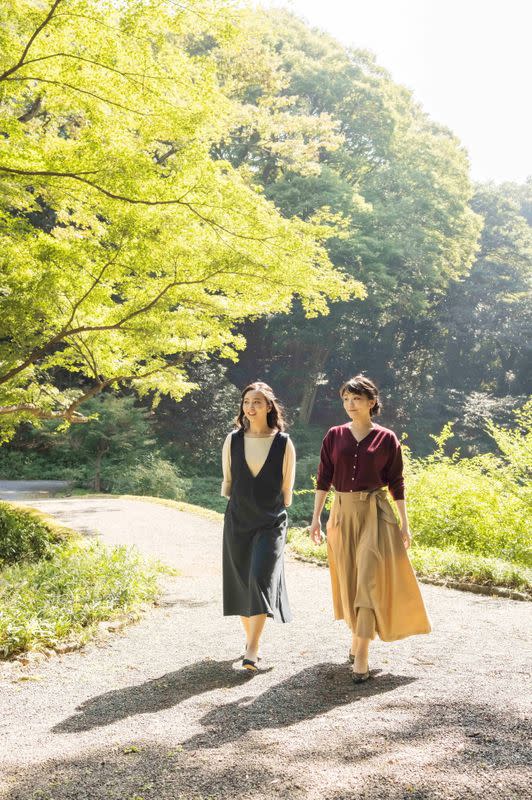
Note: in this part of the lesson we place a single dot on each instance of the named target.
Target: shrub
(25, 535)
(478, 505)
(433, 562)
(152, 476)
(457, 505)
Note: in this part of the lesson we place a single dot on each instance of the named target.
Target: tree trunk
(97, 480)
(310, 388)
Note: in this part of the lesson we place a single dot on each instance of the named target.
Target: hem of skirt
(392, 639)
(270, 614)
(406, 635)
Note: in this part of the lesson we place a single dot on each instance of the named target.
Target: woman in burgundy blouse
(373, 584)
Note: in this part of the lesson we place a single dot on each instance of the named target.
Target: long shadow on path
(309, 693)
(147, 698)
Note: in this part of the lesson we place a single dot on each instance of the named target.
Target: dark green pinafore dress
(254, 536)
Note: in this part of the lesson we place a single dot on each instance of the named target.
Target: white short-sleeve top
(256, 449)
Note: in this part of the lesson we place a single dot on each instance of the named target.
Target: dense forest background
(388, 261)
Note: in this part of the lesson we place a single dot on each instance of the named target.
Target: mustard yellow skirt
(374, 587)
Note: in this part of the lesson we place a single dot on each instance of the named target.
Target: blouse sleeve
(226, 467)
(394, 471)
(289, 472)
(326, 466)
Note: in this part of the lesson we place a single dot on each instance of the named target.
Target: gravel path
(157, 711)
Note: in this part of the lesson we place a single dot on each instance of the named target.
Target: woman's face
(357, 406)
(255, 407)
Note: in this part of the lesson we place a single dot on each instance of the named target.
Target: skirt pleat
(374, 588)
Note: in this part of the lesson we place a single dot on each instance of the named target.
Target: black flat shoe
(249, 665)
(360, 677)
(351, 657)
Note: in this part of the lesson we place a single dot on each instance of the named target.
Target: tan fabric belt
(378, 499)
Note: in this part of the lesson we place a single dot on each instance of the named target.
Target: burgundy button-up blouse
(352, 466)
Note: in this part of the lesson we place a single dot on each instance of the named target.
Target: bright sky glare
(468, 62)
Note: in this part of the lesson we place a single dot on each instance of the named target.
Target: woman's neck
(364, 424)
(259, 429)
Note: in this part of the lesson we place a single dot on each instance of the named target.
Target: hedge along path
(156, 711)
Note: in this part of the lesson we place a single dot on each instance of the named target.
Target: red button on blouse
(352, 466)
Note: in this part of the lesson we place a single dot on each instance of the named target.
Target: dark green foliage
(25, 536)
(116, 451)
(150, 475)
(192, 432)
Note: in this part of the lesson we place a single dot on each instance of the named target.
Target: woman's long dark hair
(275, 416)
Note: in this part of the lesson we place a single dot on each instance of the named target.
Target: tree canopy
(400, 189)
(204, 194)
(128, 245)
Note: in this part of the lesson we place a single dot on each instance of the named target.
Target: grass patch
(435, 563)
(432, 562)
(62, 586)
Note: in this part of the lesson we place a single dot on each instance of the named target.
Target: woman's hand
(315, 531)
(406, 536)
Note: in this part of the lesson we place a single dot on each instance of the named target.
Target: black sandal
(249, 665)
(351, 657)
(360, 677)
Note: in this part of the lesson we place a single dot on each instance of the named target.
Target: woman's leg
(256, 626)
(361, 654)
(245, 625)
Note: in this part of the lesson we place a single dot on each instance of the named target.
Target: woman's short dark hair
(275, 417)
(362, 385)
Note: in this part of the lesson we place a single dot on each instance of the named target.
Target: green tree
(119, 435)
(128, 246)
(398, 186)
(487, 318)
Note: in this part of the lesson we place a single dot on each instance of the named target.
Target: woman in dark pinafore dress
(258, 463)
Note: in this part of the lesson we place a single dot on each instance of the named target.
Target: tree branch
(76, 176)
(33, 111)
(40, 413)
(123, 73)
(82, 91)
(44, 23)
(65, 332)
(91, 288)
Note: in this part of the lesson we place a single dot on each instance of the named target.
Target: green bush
(30, 465)
(470, 568)
(152, 476)
(477, 505)
(205, 491)
(454, 504)
(25, 535)
(62, 597)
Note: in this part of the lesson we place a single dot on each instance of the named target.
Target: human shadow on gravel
(308, 694)
(147, 698)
